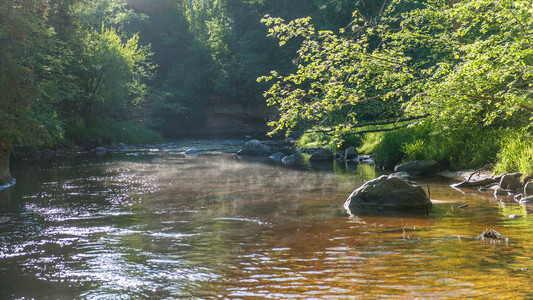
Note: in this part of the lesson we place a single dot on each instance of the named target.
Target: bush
(516, 154)
(114, 132)
(456, 149)
(321, 140)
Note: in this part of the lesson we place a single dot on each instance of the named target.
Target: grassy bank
(505, 149)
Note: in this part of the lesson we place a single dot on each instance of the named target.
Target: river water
(156, 224)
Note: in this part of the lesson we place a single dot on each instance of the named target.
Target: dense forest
(448, 80)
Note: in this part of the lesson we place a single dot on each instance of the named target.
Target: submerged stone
(491, 234)
(387, 192)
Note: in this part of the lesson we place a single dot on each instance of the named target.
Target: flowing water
(156, 224)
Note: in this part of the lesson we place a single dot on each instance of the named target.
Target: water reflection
(158, 224)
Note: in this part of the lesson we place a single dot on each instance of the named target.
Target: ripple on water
(160, 225)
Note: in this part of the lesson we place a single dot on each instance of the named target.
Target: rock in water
(192, 152)
(388, 193)
(277, 156)
(510, 182)
(419, 167)
(528, 189)
(350, 154)
(254, 148)
(290, 159)
(322, 154)
(491, 234)
(402, 175)
(100, 150)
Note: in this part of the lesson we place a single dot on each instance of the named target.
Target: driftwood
(478, 183)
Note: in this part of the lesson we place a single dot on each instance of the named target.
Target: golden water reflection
(215, 226)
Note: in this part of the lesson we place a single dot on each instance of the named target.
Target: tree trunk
(5, 152)
(193, 22)
(205, 22)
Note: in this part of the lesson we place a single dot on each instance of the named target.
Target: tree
(460, 62)
(21, 29)
(111, 75)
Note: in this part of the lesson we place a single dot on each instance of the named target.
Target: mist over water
(153, 223)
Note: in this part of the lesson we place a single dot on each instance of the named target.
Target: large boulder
(419, 167)
(254, 148)
(387, 192)
(350, 154)
(277, 156)
(510, 181)
(290, 159)
(528, 189)
(322, 154)
(401, 175)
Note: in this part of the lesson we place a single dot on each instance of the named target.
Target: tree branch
(375, 130)
(499, 99)
(376, 124)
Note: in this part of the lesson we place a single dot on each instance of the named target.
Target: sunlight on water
(153, 223)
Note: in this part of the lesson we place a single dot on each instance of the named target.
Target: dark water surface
(153, 224)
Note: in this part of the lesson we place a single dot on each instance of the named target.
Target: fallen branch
(478, 183)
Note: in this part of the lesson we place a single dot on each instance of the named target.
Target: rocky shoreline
(513, 185)
(286, 152)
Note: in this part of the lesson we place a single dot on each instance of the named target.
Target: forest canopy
(459, 68)
(404, 79)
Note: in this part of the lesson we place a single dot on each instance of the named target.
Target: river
(152, 223)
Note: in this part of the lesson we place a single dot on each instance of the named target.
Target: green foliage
(322, 140)
(437, 59)
(112, 73)
(21, 34)
(516, 154)
(456, 149)
(113, 132)
(314, 140)
(465, 65)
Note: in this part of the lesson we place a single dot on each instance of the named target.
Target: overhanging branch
(499, 99)
(387, 122)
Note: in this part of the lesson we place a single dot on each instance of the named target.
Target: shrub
(457, 149)
(321, 140)
(516, 154)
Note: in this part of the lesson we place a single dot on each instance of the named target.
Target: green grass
(454, 149)
(321, 140)
(516, 154)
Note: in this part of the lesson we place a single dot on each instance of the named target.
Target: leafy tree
(111, 75)
(463, 63)
(21, 31)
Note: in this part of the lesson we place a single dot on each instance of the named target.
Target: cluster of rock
(393, 192)
(256, 148)
(504, 185)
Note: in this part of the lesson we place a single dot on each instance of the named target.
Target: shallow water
(153, 223)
